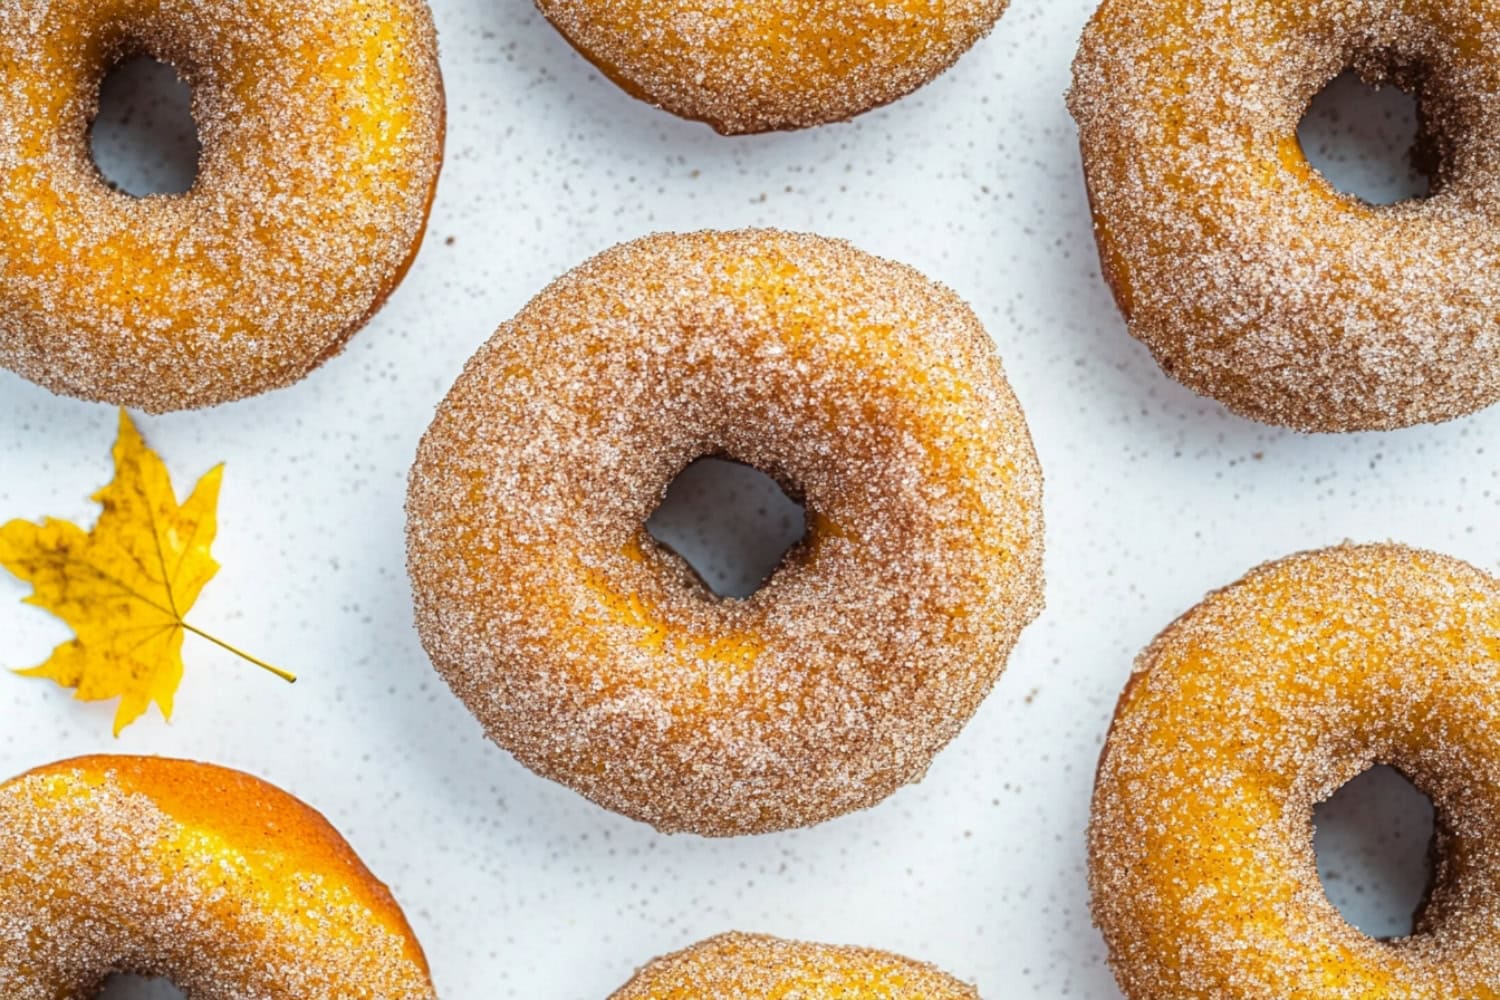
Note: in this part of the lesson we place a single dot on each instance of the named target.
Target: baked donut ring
(761, 65)
(1257, 705)
(598, 657)
(759, 967)
(225, 885)
(322, 129)
(1251, 279)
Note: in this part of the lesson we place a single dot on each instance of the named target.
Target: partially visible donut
(322, 130)
(1248, 711)
(213, 879)
(760, 65)
(599, 658)
(1251, 279)
(758, 967)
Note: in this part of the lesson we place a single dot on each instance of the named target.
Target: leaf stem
(290, 678)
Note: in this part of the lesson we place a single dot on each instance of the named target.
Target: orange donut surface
(599, 658)
(1248, 711)
(1251, 279)
(221, 883)
(321, 123)
(759, 967)
(760, 65)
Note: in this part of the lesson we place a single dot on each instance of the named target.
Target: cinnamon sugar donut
(760, 65)
(598, 657)
(1251, 279)
(758, 967)
(321, 124)
(221, 883)
(1252, 708)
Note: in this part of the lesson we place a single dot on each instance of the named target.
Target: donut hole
(143, 139)
(1365, 140)
(1374, 842)
(730, 522)
(126, 986)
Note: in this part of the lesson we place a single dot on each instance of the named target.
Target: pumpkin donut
(321, 124)
(1248, 711)
(758, 967)
(761, 65)
(1251, 279)
(225, 885)
(597, 656)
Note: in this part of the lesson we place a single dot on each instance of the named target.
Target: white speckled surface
(519, 888)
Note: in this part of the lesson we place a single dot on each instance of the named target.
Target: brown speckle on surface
(1254, 707)
(1251, 279)
(759, 967)
(761, 65)
(599, 659)
(321, 124)
(223, 884)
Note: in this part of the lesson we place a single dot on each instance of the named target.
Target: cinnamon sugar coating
(738, 966)
(1252, 708)
(760, 65)
(321, 124)
(597, 656)
(223, 884)
(1250, 278)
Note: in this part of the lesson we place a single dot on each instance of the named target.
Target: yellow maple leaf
(124, 586)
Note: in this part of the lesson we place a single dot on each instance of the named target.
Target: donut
(321, 124)
(1248, 276)
(1252, 708)
(225, 885)
(759, 967)
(762, 65)
(597, 656)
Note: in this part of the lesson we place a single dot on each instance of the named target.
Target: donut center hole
(1363, 139)
(125, 986)
(1373, 840)
(732, 523)
(144, 140)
